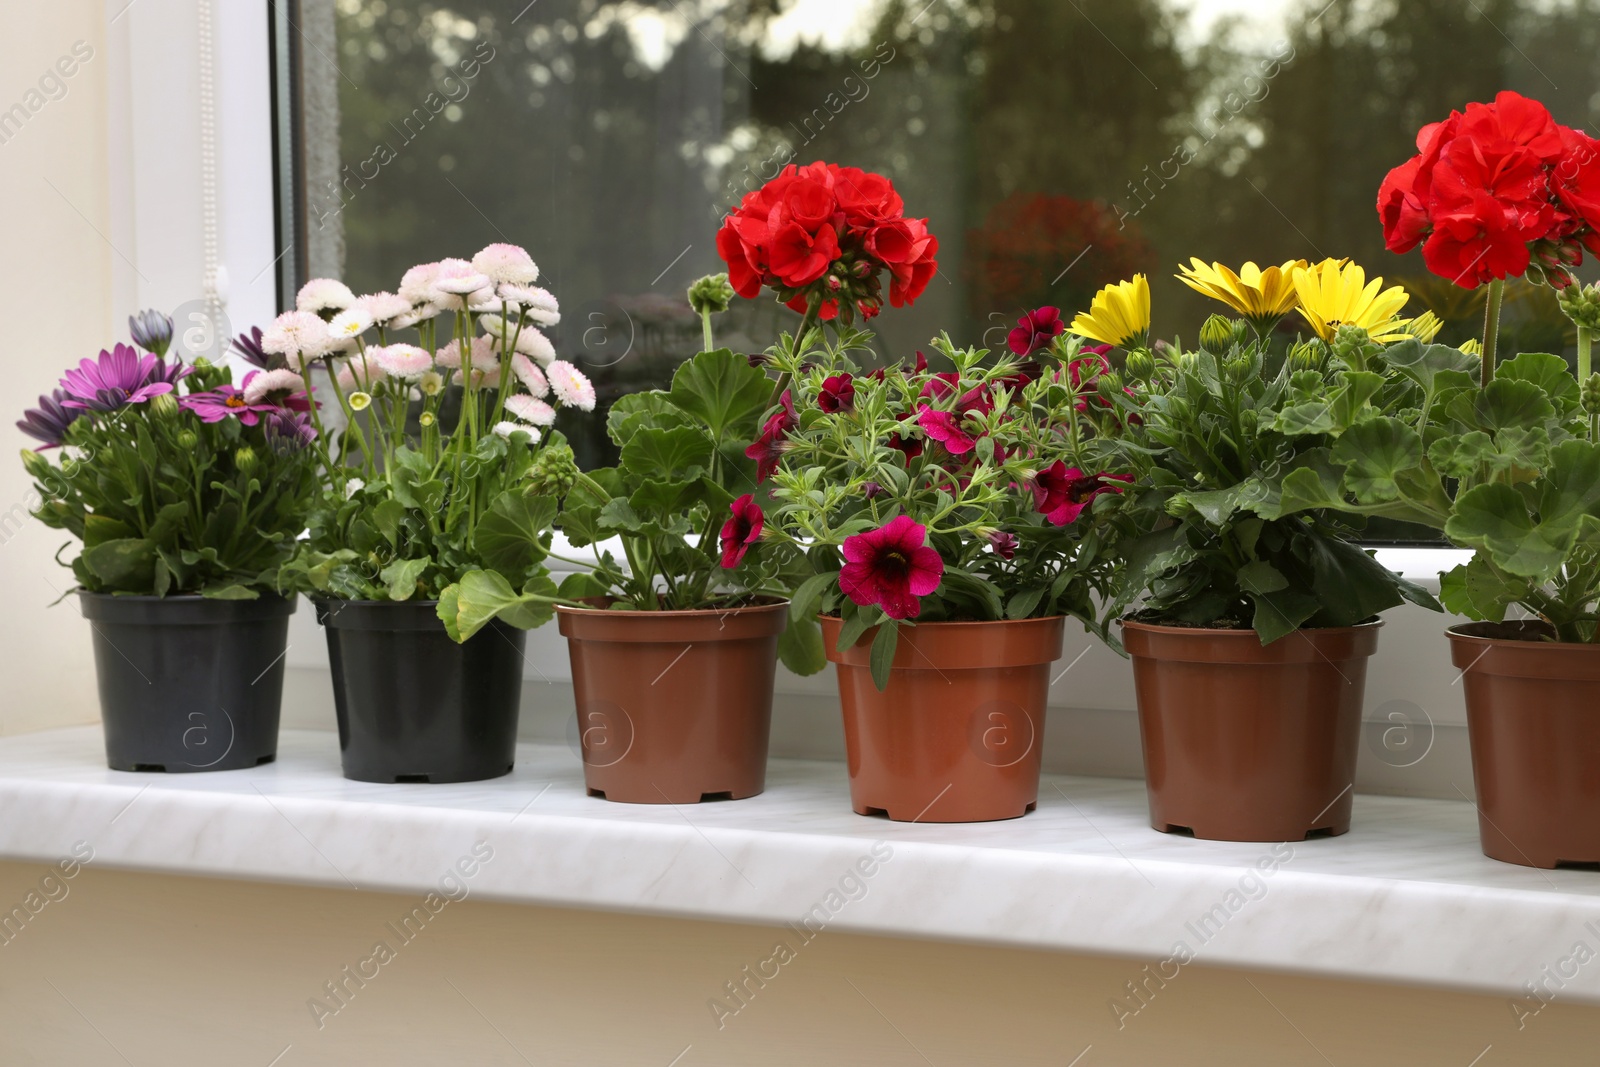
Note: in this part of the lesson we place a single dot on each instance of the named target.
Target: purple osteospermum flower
(223, 401)
(49, 421)
(119, 378)
(151, 331)
(248, 347)
(264, 394)
(287, 430)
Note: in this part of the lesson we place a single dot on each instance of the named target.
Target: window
(1055, 145)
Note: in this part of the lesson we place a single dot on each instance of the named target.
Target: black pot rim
(187, 609)
(390, 615)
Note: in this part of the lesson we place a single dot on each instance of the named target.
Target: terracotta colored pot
(959, 733)
(1534, 725)
(1250, 743)
(674, 707)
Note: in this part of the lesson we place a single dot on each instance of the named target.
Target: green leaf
(386, 516)
(1280, 614)
(1550, 373)
(1261, 577)
(1314, 484)
(803, 604)
(1465, 456)
(1024, 601)
(582, 585)
(482, 596)
(1434, 367)
(1351, 400)
(231, 591)
(510, 538)
(723, 391)
(679, 454)
(633, 412)
(882, 656)
(800, 647)
(98, 529)
(854, 626)
(168, 520)
(619, 514)
(1373, 454)
(124, 565)
(1494, 518)
(401, 577)
(1503, 403)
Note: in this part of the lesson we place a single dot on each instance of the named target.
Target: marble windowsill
(1405, 897)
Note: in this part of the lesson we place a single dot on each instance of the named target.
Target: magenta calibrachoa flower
(1061, 493)
(1036, 331)
(891, 567)
(769, 447)
(741, 531)
(119, 378)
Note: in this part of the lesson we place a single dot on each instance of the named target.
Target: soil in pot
(674, 707)
(414, 706)
(187, 683)
(958, 735)
(1534, 724)
(1245, 742)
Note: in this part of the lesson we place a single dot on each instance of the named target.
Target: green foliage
(163, 505)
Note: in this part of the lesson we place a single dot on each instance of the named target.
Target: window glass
(1055, 145)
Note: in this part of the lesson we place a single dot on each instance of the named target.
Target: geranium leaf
(509, 538)
(1373, 453)
(723, 391)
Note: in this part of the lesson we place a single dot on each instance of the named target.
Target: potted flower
(1254, 612)
(426, 553)
(949, 522)
(185, 493)
(1505, 460)
(674, 643)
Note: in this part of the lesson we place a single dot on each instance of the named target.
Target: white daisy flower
(353, 486)
(298, 336)
(455, 282)
(403, 361)
(539, 305)
(530, 342)
(417, 284)
(528, 409)
(324, 294)
(350, 323)
(529, 374)
(384, 308)
(506, 429)
(506, 264)
(263, 384)
(482, 354)
(570, 385)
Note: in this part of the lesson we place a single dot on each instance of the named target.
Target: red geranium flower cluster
(1497, 191)
(828, 231)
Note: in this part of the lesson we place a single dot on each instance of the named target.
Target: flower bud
(1141, 365)
(554, 471)
(713, 294)
(360, 401)
(1109, 384)
(187, 440)
(245, 459)
(1187, 362)
(1581, 304)
(1307, 355)
(1004, 544)
(1591, 395)
(870, 489)
(164, 406)
(151, 331)
(1217, 334)
(37, 466)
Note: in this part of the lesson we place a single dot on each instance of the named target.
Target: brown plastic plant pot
(959, 733)
(1535, 729)
(1245, 742)
(674, 707)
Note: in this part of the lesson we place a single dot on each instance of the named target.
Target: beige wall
(182, 971)
(56, 283)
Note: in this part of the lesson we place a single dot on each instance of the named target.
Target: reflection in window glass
(1054, 146)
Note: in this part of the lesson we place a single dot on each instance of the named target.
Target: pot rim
(776, 604)
(1223, 632)
(319, 601)
(961, 622)
(1455, 633)
(178, 598)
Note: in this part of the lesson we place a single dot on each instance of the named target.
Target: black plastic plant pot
(413, 705)
(186, 683)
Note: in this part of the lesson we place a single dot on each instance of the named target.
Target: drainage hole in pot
(1030, 807)
(874, 813)
(726, 794)
(1318, 834)
(1179, 831)
(601, 793)
(411, 779)
(273, 758)
(1577, 865)
(157, 767)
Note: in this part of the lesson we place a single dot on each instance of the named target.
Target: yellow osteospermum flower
(1261, 296)
(1120, 314)
(1336, 293)
(1425, 327)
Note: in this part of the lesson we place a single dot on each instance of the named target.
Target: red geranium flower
(826, 233)
(838, 394)
(1035, 331)
(891, 567)
(741, 531)
(768, 449)
(1060, 492)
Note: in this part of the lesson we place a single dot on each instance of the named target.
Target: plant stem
(1491, 328)
(807, 324)
(705, 324)
(1585, 358)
